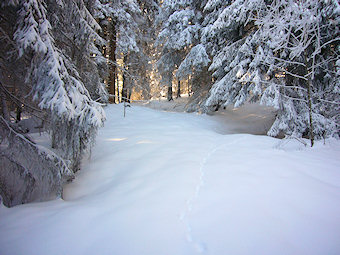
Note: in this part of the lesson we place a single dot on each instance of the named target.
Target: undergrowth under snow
(163, 183)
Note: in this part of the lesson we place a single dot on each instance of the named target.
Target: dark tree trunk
(309, 85)
(112, 64)
(118, 96)
(170, 93)
(170, 98)
(311, 128)
(125, 90)
(19, 111)
(4, 108)
(129, 94)
(179, 89)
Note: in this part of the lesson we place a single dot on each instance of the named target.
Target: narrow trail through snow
(171, 184)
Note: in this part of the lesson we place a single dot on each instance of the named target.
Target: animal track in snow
(199, 246)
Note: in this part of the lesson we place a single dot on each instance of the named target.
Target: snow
(196, 59)
(167, 183)
(251, 118)
(175, 105)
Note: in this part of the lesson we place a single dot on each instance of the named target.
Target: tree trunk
(179, 89)
(118, 96)
(129, 94)
(170, 94)
(170, 98)
(19, 111)
(125, 88)
(4, 107)
(112, 64)
(311, 129)
(309, 100)
(53, 140)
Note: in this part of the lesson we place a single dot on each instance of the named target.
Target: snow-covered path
(162, 183)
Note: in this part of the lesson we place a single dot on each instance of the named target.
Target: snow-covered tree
(119, 22)
(226, 33)
(301, 36)
(37, 176)
(56, 82)
(138, 65)
(196, 59)
(282, 53)
(48, 55)
(180, 31)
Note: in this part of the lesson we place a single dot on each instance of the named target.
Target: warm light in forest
(116, 139)
(280, 74)
(119, 77)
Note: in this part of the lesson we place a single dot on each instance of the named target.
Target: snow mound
(168, 183)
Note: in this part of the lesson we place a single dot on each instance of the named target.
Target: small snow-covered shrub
(28, 172)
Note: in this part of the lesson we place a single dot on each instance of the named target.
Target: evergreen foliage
(50, 44)
(54, 78)
(180, 31)
(281, 53)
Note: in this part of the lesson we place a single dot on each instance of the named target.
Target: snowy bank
(168, 183)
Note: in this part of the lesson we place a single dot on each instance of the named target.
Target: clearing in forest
(171, 183)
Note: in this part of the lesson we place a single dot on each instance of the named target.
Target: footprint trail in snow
(198, 245)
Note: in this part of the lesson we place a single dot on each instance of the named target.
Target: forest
(66, 66)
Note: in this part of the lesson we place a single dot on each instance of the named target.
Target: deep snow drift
(168, 183)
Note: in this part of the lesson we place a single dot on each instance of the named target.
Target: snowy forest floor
(249, 118)
(166, 183)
